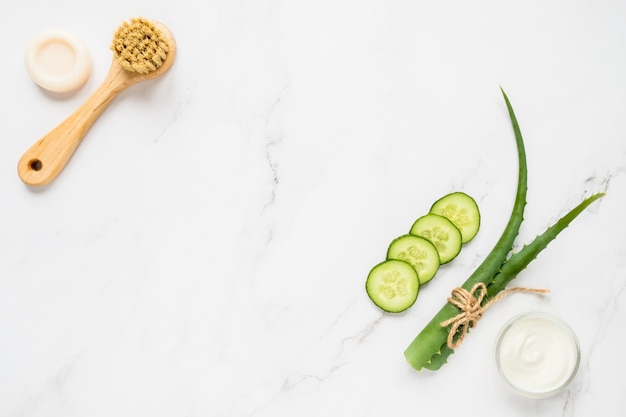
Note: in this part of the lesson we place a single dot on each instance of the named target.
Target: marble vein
(177, 111)
(273, 139)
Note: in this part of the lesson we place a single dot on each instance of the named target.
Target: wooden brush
(143, 50)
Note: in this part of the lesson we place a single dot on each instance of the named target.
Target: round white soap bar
(537, 354)
(58, 61)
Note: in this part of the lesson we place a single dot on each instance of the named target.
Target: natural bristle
(139, 46)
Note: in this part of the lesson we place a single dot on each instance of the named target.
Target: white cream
(537, 354)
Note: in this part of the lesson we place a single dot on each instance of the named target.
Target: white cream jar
(537, 354)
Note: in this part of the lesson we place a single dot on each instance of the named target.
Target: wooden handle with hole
(43, 161)
(49, 155)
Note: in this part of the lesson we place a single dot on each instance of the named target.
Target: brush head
(140, 46)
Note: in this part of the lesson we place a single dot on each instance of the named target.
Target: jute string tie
(471, 305)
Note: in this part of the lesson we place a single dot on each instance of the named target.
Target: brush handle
(43, 161)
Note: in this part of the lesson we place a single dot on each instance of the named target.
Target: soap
(58, 61)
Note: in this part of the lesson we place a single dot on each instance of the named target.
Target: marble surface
(204, 252)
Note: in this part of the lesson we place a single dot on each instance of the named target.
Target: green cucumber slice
(417, 251)
(392, 285)
(442, 233)
(462, 210)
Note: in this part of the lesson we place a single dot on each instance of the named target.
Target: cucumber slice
(419, 252)
(462, 210)
(442, 233)
(392, 285)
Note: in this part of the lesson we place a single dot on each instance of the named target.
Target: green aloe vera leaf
(429, 349)
(520, 260)
(511, 268)
(432, 340)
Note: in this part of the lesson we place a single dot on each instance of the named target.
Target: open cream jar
(537, 354)
(57, 61)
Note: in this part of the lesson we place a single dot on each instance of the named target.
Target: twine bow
(470, 304)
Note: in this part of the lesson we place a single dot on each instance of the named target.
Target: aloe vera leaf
(517, 263)
(429, 348)
(494, 260)
(520, 260)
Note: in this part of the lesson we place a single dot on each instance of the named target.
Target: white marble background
(205, 251)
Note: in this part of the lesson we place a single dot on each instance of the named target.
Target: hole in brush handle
(35, 164)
